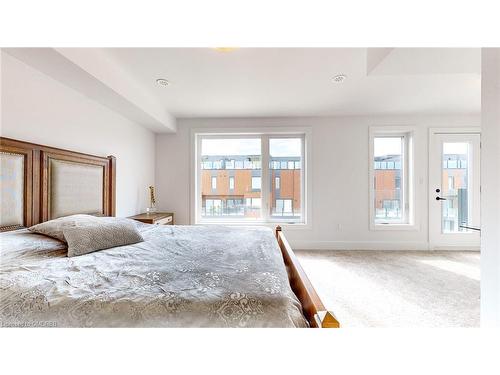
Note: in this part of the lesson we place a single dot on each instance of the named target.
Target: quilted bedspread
(180, 276)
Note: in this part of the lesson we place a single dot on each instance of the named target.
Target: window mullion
(265, 186)
(405, 179)
(198, 198)
(409, 179)
(303, 179)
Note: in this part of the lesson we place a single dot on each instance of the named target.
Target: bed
(180, 276)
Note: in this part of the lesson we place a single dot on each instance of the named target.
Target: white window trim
(408, 177)
(306, 174)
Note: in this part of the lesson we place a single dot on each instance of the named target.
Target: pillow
(54, 228)
(98, 236)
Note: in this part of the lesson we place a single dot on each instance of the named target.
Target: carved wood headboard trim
(36, 173)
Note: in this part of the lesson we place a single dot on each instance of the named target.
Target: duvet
(180, 276)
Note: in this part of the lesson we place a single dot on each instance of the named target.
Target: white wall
(490, 186)
(36, 108)
(340, 177)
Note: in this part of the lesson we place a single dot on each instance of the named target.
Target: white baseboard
(371, 245)
(455, 248)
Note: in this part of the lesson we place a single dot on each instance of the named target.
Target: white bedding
(180, 276)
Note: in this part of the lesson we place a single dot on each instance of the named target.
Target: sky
(292, 146)
(387, 146)
(250, 146)
(455, 148)
(285, 146)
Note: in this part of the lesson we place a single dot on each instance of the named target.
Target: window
(284, 207)
(270, 184)
(390, 192)
(213, 207)
(253, 202)
(288, 185)
(256, 183)
(234, 207)
(243, 155)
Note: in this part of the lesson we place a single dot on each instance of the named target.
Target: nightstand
(158, 218)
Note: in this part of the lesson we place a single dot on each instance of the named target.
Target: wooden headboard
(40, 183)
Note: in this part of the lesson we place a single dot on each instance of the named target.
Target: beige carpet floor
(397, 288)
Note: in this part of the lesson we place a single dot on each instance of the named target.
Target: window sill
(270, 224)
(395, 227)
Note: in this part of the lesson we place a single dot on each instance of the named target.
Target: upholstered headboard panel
(75, 188)
(41, 183)
(16, 180)
(12, 189)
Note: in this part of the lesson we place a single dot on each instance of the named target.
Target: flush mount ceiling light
(225, 49)
(339, 78)
(162, 82)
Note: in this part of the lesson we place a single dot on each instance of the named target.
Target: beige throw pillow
(87, 239)
(54, 228)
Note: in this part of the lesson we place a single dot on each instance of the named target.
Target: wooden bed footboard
(312, 306)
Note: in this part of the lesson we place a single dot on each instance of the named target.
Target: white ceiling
(265, 82)
(261, 82)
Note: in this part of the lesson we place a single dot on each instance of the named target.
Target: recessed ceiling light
(162, 82)
(339, 78)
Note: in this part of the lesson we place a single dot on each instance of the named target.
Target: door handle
(440, 199)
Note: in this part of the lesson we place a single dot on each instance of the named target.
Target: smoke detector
(339, 78)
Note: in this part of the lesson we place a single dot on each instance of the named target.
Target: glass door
(454, 191)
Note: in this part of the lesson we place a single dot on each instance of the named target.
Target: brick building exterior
(231, 186)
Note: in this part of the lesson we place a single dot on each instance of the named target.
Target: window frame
(407, 177)
(305, 221)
